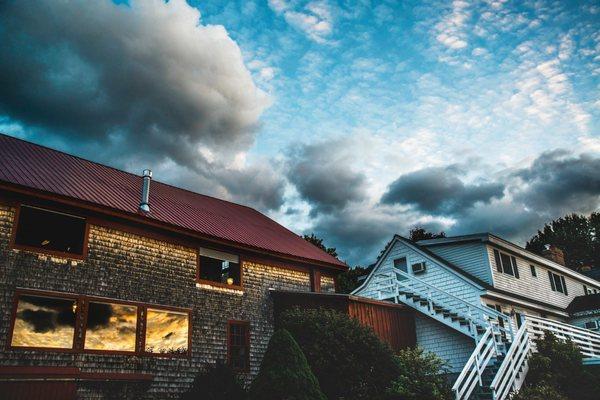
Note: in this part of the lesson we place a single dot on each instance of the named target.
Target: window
(506, 264)
(111, 327)
(44, 322)
(238, 349)
(592, 325)
(557, 283)
(50, 231)
(533, 270)
(585, 290)
(218, 267)
(166, 332)
(48, 321)
(400, 263)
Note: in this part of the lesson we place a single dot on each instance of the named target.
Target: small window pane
(166, 332)
(49, 230)
(533, 271)
(111, 327)
(221, 271)
(44, 322)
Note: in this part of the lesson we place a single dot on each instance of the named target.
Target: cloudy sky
(353, 120)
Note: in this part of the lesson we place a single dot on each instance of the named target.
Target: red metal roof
(38, 167)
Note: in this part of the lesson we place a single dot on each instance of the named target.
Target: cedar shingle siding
(130, 267)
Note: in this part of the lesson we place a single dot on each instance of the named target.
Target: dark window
(111, 327)
(558, 283)
(533, 270)
(44, 322)
(50, 231)
(400, 263)
(166, 332)
(219, 267)
(506, 264)
(239, 345)
(585, 290)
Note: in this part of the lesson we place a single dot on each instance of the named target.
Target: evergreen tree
(317, 241)
(284, 372)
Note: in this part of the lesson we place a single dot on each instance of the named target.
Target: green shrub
(216, 382)
(421, 377)
(543, 392)
(558, 365)
(348, 359)
(284, 372)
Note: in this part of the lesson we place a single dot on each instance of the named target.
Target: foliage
(421, 377)
(558, 365)
(349, 361)
(419, 233)
(284, 372)
(319, 243)
(347, 281)
(216, 382)
(576, 235)
(543, 392)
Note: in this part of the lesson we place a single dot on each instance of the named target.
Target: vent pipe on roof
(147, 177)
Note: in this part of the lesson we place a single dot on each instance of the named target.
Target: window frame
(533, 270)
(60, 254)
(247, 325)
(553, 284)
(219, 284)
(81, 324)
(512, 260)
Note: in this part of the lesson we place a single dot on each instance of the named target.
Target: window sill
(219, 287)
(71, 258)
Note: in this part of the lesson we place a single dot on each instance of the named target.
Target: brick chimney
(553, 253)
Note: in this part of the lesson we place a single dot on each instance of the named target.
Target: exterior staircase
(498, 365)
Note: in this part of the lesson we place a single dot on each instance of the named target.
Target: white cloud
(315, 19)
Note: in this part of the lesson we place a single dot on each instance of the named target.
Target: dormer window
(50, 232)
(506, 264)
(218, 267)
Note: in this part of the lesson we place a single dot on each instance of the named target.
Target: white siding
(448, 344)
(437, 275)
(471, 257)
(536, 288)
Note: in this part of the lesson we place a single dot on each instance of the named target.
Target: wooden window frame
(315, 280)
(247, 325)
(219, 284)
(81, 318)
(60, 254)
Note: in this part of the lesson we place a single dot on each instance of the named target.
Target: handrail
(587, 341)
(515, 360)
(472, 372)
(488, 312)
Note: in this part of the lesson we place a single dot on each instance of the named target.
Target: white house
(480, 300)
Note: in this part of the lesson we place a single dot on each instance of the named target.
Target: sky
(354, 120)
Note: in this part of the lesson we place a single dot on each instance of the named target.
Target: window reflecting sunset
(111, 327)
(44, 322)
(166, 332)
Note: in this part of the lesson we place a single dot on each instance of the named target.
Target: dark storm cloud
(99, 315)
(324, 176)
(50, 314)
(144, 81)
(559, 180)
(440, 191)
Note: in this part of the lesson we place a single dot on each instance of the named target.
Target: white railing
(587, 341)
(385, 285)
(471, 375)
(508, 378)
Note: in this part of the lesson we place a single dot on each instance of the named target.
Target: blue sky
(354, 120)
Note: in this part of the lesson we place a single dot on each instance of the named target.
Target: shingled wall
(125, 266)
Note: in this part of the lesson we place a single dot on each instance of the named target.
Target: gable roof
(428, 253)
(49, 171)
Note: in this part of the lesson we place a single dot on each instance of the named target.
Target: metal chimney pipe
(147, 177)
